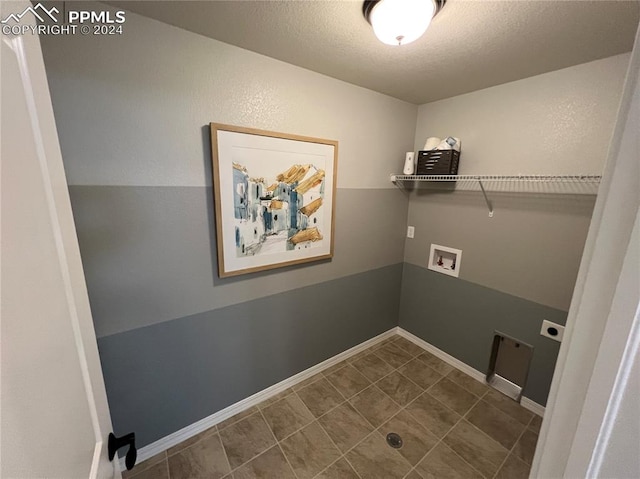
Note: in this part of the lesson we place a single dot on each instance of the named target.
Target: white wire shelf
(501, 178)
(537, 184)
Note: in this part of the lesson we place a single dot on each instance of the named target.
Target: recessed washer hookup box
(438, 162)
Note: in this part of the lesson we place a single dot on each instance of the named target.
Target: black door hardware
(116, 443)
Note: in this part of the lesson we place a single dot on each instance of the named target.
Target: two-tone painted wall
(178, 343)
(518, 267)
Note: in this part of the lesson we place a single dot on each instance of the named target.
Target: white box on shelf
(445, 260)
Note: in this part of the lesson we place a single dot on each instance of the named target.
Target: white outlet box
(552, 330)
(411, 231)
(445, 260)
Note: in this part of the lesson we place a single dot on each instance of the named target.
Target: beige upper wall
(133, 114)
(155, 134)
(556, 123)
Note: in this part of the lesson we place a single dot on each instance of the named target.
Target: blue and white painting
(278, 214)
(275, 200)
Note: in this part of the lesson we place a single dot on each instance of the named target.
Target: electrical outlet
(552, 330)
(411, 231)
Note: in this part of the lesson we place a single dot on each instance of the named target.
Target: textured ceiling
(470, 44)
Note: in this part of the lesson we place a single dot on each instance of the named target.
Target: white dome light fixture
(399, 22)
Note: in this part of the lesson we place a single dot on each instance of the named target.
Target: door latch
(116, 443)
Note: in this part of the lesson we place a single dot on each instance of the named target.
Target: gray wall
(176, 342)
(531, 248)
(149, 252)
(163, 377)
(520, 266)
(460, 318)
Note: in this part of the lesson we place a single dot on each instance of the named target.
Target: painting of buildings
(278, 214)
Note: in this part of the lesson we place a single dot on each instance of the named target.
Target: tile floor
(333, 426)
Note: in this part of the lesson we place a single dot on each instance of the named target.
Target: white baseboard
(185, 433)
(532, 406)
(525, 402)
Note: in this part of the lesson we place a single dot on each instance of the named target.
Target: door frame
(32, 72)
(602, 325)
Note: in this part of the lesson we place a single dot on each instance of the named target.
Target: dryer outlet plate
(552, 330)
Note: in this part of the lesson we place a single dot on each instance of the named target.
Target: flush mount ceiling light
(398, 22)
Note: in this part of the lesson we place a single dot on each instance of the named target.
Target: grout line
(254, 457)
(376, 430)
(295, 474)
(278, 442)
(392, 400)
(202, 438)
(433, 386)
(318, 377)
(483, 432)
(257, 455)
(415, 470)
(235, 422)
(507, 413)
(301, 427)
(343, 401)
(275, 399)
(224, 451)
(394, 367)
(226, 455)
(316, 475)
(413, 382)
(346, 401)
(334, 369)
(463, 418)
(378, 434)
(511, 451)
(464, 460)
(334, 462)
(137, 473)
(362, 416)
(342, 455)
(501, 465)
(370, 383)
(441, 440)
(404, 408)
(352, 467)
(389, 364)
(529, 425)
(330, 385)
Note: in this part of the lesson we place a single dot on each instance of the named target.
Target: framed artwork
(274, 197)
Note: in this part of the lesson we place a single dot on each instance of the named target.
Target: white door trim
(573, 424)
(37, 146)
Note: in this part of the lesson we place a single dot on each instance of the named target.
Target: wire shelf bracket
(486, 199)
